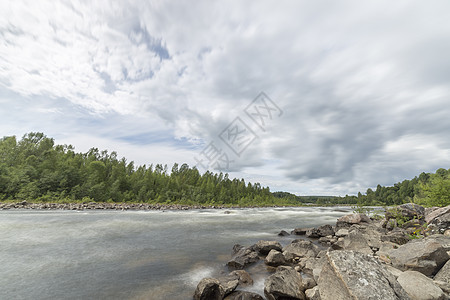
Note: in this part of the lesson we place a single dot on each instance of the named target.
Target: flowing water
(133, 254)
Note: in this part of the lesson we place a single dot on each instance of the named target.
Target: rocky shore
(104, 205)
(405, 255)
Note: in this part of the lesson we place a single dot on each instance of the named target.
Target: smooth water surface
(132, 254)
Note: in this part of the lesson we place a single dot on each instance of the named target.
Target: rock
(435, 213)
(264, 247)
(300, 231)
(419, 286)
(394, 271)
(300, 248)
(444, 273)
(391, 224)
(399, 237)
(385, 249)
(243, 295)
(447, 232)
(356, 241)
(341, 232)
(308, 264)
(275, 258)
(228, 283)
(312, 233)
(443, 240)
(354, 219)
(309, 283)
(283, 233)
(313, 294)
(243, 277)
(353, 275)
(440, 220)
(425, 256)
(209, 289)
(286, 283)
(410, 211)
(325, 230)
(243, 258)
(445, 286)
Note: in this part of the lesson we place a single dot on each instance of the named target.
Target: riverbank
(405, 255)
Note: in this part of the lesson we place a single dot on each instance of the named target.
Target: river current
(133, 254)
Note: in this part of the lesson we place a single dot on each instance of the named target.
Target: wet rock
(243, 258)
(300, 231)
(243, 295)
(312, 233)
(209, 289)
(243, 277)
(286, 283)
(419, 286)
(444, 273)
(264, 247)
(283, 233)
(346, 275)
(425, 256)
(325, 230)
(275, 258)
(300, 248)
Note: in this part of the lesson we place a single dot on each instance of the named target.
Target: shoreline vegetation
(36, 170)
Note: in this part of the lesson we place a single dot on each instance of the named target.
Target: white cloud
(355, 81)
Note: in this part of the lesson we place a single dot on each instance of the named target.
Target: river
(133, 254)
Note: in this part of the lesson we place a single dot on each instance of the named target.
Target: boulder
(300, 231)
(243, 295)
(409, 211)
(444, 273)
(283, 233)
(354, 275)
(286, 283)
(312, 233)
(439, 220)
(356, 241)
(209, 289)
(341, 232)
(397, 236)
(275, 258)
(424, 255)
(436, 212)
(243, 277)
(308, 283)
(243, 258)
(313, 294)
(228, 283)
(300, 248)
(308, 264)
(353, 219)
(264, 247)
(419, 286)
(325, 230)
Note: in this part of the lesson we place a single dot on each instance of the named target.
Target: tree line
(36, 169)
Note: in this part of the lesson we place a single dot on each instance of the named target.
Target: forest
(37, 170)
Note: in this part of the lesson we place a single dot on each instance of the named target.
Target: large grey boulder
(275, 258)
(264, 247)
(397, 236)
(242, 258)
(209, 289)
(357, 242)
(312, 233)
(300, 248)
(423, 255)
(243, 295)
(435, 213)
(419, 286)
(444, 273)
(409, 211)
(439, 220)
(325, 230)
(286, 283)
(354, 219)
(354, 275)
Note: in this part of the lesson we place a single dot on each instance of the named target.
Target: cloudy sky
(356, 93)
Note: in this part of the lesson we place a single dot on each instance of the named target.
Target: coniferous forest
(35, 169)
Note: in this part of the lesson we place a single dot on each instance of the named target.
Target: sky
(310, 97)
